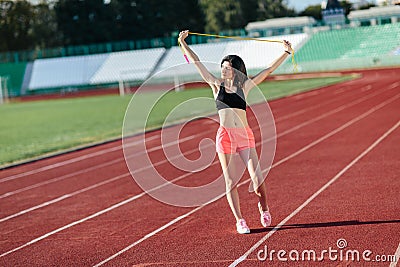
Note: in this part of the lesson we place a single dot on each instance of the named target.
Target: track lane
(284, 183)
(62, 197)
(70, 158)
(351, 209)
(73, 182)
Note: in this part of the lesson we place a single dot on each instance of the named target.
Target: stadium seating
(348, 48)
(128, 65)
(256, 55)
(65, 71)
(351, 43)
(324, 50)
(174, 59)
(93, 69)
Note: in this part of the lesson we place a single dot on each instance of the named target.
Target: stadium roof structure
(375, 12)
(281, 23)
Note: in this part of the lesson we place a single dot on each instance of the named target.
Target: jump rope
(238, 38)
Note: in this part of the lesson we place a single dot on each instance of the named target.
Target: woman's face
(226, 70)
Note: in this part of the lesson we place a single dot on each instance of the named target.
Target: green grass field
(32, 129)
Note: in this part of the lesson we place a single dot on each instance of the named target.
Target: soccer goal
(130, 80)
(3, 90)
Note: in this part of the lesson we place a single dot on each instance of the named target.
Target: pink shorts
(232, 140)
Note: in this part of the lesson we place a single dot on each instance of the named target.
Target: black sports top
(230, 100)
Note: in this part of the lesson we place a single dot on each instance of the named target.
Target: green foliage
(235, 14)
(45, 32)
(367, 6)
(91, 21)
(24, 26)
(222, 15)
(346, 7)
(313, 11)
(78, 22)
(16, 20)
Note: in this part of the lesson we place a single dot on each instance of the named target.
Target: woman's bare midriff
(232, 118)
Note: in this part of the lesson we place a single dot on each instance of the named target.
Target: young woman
(234, 134)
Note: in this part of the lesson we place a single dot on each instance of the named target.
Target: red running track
(334, 178)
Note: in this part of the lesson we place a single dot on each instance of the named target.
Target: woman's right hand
(183, 35)
(288, 46)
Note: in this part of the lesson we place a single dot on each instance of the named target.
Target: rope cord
(239, 38)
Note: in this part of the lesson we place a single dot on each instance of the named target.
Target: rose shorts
(232, 140)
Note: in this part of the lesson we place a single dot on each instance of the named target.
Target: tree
(16, 19)
(367, 6)
(346, 7)
(235, 14)
(45, 32)
(222, 15)
(83, 21)
(269, 9)
(91, 21)
(312, 11)
(315, 10)
(153, 18)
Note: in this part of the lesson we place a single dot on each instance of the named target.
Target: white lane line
(94, 215)
(347, 124)
(177, 219)
(396, 257)
(73, 160)
(56, 179)
(248, 180)
(191, 151)
(137, 196)
(69, 195)
(336, 110)
(156, 188)
(7, 194)
(69, 161)
(305, 203)
(101, 166)
(367, 88)
(394, 85)
(58, 199)
(292, 114)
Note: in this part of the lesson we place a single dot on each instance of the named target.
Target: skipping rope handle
(183, 52)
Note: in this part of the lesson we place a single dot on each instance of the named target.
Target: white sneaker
(265, 216)
(242, 227)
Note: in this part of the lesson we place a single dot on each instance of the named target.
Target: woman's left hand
(183, 35)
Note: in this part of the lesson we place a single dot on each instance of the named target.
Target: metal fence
(78, 50)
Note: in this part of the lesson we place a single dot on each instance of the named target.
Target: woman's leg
(250, 158)
(228, 169)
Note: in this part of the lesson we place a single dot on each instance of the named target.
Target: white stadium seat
(65, 71)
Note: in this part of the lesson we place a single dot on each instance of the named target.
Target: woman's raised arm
(262, 75)
(204, 72)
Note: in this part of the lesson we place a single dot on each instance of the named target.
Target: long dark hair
(237, 64)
